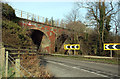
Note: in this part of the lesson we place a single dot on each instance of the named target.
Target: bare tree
(119, 18)
(73, 22)
(73, 16)
(116, 22)
(100, 13)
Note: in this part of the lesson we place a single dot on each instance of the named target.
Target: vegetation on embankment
(32, 64)
(12, 33)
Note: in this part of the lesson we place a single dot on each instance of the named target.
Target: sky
(57, 10)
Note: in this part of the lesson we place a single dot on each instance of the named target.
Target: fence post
(0, 63)
(2, 60)
(111, 53)
(51, 22)
(27, 15)
(33, 17)
(38, 18)
(6, 65)
(21, 14)
(75, 52)
(17, 67)
(2, 56)
(54, 23)
(57, 22)
(19, 53)
(43, 19)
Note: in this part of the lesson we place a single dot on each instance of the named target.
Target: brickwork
(51, 32)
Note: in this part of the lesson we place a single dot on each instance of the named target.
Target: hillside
(12, 33)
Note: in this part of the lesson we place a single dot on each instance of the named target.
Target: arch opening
(60, 41)
(40, 40)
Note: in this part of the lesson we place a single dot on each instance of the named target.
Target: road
(66, 67)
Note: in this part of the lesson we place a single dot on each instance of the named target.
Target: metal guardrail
(37, 18)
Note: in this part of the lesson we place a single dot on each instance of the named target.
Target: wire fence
(16, 67)
(8, 62)
(41, 19)
(20, 66)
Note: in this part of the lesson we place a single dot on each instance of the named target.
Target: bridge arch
(40, 38)
(39, 30)
(60, 41)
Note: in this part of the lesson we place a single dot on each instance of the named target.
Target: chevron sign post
(72, 47)
(112, 46)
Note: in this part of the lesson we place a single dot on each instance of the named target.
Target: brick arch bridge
(45, 35)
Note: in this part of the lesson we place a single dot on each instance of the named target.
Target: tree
(100, 13)
(7, 11)
(73, 16)
(73, 22)
(119, 18)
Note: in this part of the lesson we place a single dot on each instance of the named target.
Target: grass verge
(108, 61)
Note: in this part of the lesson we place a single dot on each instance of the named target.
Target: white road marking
(78, 68)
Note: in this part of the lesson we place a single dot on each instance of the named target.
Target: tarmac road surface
(68, 67)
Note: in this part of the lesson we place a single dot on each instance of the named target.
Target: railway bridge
(48, 37)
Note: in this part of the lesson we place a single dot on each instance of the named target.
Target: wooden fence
(7, 54)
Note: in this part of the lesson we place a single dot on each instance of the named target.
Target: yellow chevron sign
(72, 47)
(112, 46)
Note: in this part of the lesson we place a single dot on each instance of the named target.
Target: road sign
(72, 47)
(112, 46)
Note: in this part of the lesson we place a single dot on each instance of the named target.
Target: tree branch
(115, 12)
(110, 9)
(95, 15)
